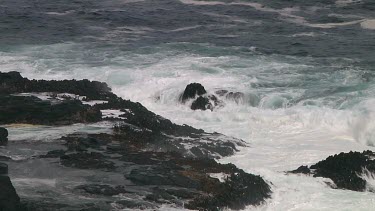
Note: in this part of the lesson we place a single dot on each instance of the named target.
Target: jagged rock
(237, 97)
(86, 160)
(3, 134)
(13, 82)
(100, 189)
(53, 154)
(5, 158)
(3, 169)
(147, 149)
(133, 204)
(201, 103)
(191, 91)
(161, 175)
(9, 200)
(32, 110)
(82, 143)
(345, 169)
(179, 179)
(301, 170)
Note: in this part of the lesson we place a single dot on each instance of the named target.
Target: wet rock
(101, 189)
(13, 82)
(161, 176)
(134, 204)
(82, 143)
(191, 91)
(86, 160)
(211, 145)
(238, 191)
(345, 169)
(53, 154)
(32, 110)
(301, 170)
(201, 103)
(237, 97)
(3, 169)
(5, 158)
(3, 134)
(9, 200)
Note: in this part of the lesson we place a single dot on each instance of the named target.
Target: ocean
(306, 69)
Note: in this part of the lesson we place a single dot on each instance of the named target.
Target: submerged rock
(201, 103)
(86, 160)
(3, 134)
(191, 91)
(101, 189)
(237, 97)
(346, 170)
(301, 170)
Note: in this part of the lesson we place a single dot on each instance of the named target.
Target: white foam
(111, 113)
(48, 133)
(368, 24)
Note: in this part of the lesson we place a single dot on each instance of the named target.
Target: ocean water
(306, 69)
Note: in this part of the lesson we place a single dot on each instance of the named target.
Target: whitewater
(306, 71)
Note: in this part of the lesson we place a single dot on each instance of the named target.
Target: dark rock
(221, 92)
(201, 103)
(191, 91)
(82, 143)
(53, 154)
(345, 169)
(5, 158)
(168, 177)
(20, 109)
(238, 191)
(237, 97)
(134, 204)
(100, 189)
(159, 195)
(3, 134)
(301, 170)
(86, 160)
(212, 145)
(9, 200)
(161, 176)
(3, 169)
(13, 82)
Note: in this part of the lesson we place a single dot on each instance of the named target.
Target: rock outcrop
(161, 162)
(9, 200)
(3, 134)
(346, 170)
(192, 91)
(202, 100)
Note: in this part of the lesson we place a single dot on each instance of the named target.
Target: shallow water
(306, 69)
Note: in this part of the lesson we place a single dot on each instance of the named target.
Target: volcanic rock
(9, 200)
(93, 160)
(32, 110)
(3, 134)
(346, 170)
(13, 82)
(191, 91)
(201, 103)
(101, 189)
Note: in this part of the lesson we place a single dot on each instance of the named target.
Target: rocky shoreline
(155, 162)
(161, 162)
